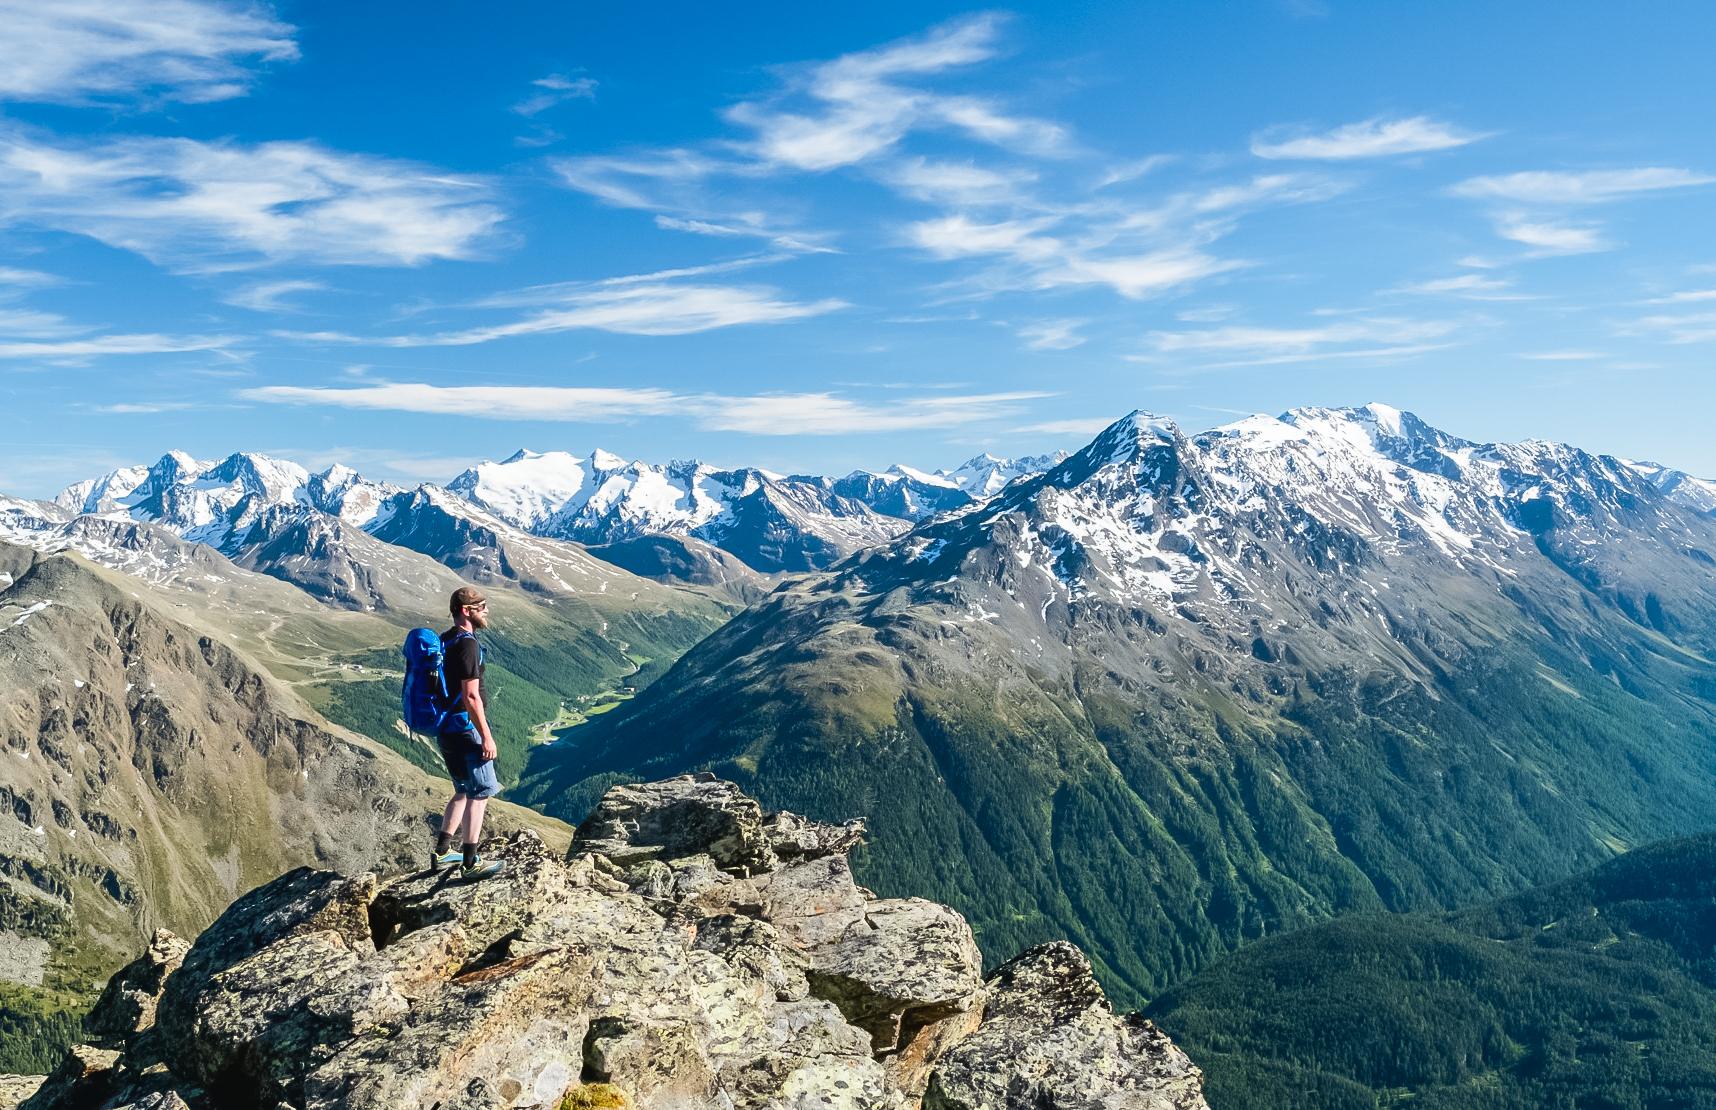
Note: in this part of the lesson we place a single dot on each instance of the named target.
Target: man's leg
(474, 828)
(450, 821)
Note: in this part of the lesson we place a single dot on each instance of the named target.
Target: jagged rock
(127, 1005)
(683, 816)
(692, 969)
(84, 1078)
(1050, 1038)
(16, 1088)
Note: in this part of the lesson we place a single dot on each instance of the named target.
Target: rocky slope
(152, 771)
(689, 952)
(1179, 693)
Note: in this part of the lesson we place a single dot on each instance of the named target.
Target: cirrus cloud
(78, 51)
(1371, 138)
(772, 414)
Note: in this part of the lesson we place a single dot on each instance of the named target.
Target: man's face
(478, 614)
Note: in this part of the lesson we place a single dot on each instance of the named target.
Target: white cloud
(499, 402)
(965, 183)
(1547, 237)
(1371, 138)
(1568, 189)
(827, 414)
(193, 205)
(555, 89)
(1052, 335)
(100, 345)
(270, 296)
(1692, 327)
(1242, 338)
(1087, 426)
(1471, 287)
(1354, 338)
(1046, 261)
(760, 414)
(631, 309)
(33, 324)
(26, 279)
(862, 105)
(1132, 171)
(145, 408)
(751, 226)
(1688, 296)
(79, 51)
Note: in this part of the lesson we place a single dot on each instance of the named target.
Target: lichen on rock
(690, 951)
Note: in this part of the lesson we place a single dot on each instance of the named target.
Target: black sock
(443, 843)
(471, 854)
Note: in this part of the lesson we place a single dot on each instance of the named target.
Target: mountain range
(1178, 693)
(1166, 697)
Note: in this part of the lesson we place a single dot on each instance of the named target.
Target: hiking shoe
(446, 859)
(480, 869)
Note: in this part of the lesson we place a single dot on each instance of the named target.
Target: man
(467, 745)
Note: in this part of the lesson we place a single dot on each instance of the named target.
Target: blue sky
(407, 236)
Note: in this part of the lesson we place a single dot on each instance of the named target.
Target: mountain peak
(606, 460)
(520, 455)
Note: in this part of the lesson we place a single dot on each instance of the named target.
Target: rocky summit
(689, 951)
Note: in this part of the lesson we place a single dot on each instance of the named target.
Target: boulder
(690, 952)
(16, 1088)
(683, 816)
(127, 1005)
(1049, 1038)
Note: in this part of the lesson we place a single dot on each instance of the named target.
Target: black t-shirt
(464, 661)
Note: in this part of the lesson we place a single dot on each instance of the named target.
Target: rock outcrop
(690, 951)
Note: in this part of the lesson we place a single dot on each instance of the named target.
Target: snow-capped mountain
(770, 521)
(1695, 493)
(1213, 687)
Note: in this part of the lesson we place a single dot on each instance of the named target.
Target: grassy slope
(1597, 991)
(1157, 831)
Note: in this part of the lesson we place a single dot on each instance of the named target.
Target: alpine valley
(1165, 697)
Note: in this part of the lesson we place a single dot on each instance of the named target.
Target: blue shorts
(473, 776)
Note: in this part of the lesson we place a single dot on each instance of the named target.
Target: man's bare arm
(473, 703)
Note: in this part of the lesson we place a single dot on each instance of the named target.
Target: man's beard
(479, 620)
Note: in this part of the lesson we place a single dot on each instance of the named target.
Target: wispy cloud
(654, 308)
(1470, 287)
(1042, 261)
(1078, 426)
(1371, 138)
(271, 296)
(1052, 335)
(1688, 327)
(555, 89)
(1546, 237)
(827, 414)
(26, 279)
(1533, 208)
(1687, 296)
(79, 51)
(758, 414)
(1570, 189)
(102, 345)
(193, 205)
(1376, 337)
(859, 106)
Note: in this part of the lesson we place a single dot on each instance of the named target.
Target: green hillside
(1161, 825)
(1599, 991)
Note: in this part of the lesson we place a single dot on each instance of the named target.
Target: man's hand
(489, 748)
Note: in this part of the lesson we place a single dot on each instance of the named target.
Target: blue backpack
(425, 699)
